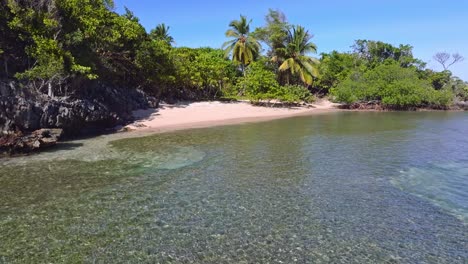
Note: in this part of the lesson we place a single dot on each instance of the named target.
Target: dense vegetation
(376, 71)
(59, 46)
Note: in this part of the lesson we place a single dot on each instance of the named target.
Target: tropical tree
(244, 48)
(377, 52)
(335, 67)
(204, 72)
(274, 33)
(161, 32)
(296, 61)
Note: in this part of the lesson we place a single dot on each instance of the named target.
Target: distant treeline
(59, 46)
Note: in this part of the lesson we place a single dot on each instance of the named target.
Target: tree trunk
(6, 66)
(50, 91)
(245, 75)
(311, 84)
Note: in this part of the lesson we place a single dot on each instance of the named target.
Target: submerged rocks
(19, 143)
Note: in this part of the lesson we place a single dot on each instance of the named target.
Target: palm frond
(297, 62)
(243, 47)
(232, 33)
(286, 64)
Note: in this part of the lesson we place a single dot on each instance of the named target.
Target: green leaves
(274, 34)
(239, 27)
(258, 80)
(260, 84)
(71, 39)
(244, 48)
(393, 85)
(335, 67)
(376, 52)
(161, 32)
(203, 69)
(154, 61)
(296, 61)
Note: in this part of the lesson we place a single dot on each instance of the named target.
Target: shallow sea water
(344, 187)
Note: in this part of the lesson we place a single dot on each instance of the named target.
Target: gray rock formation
(98, 107)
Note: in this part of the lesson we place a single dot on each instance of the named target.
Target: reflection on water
(332, 188)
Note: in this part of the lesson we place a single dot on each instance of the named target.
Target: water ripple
(445, 185)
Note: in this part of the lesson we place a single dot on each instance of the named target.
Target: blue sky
(429, 26)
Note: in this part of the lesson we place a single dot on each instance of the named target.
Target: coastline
(183, 116)
(189, 115)
(194, 115)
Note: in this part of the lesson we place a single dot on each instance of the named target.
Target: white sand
(205, 114)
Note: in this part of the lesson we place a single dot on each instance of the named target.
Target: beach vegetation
(243, 47)
(58, 47)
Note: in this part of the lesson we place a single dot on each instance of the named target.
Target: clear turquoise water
(334, 188)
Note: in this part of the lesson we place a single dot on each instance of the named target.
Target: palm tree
(296, 59)
(161, 32)
(243, 47)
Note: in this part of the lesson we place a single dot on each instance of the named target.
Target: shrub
(294, 93)
(440, 98)
(346, 91)
(258, 80)
(394, 86)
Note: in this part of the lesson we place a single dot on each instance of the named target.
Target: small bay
(343, 187)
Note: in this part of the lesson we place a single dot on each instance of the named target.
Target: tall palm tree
(244, 48)
(298, 45)
(161, 32)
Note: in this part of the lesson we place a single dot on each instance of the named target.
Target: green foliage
(289, 48)
(50, 59)
(296, 61)
(348, 91)
(458, 87)
(462, 92)
(439, 98)
(161, 32)
(258, 80)
(438, 79)
(402, 93)
(71, 40)
(203, 69)
(294, 94)
(393, 85)
(376, 52)
(444, 81)
(260, 84)
(51, 43)
(274, 34)
(153, 59)
(243, 47)
(335, 67)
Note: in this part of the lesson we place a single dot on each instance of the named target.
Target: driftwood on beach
(280, 104)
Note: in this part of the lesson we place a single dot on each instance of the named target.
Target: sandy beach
(169, 117)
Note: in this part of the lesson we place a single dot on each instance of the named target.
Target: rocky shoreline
(20, 143)
(30, 120)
